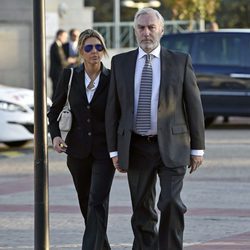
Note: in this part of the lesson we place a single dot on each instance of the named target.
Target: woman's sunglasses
(89, 47)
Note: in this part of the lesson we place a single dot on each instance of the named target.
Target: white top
(72, 48)
(90, 92)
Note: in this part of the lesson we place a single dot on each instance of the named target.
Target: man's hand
(71, 60)
(195, 162)
(59, 145)
(116, 165)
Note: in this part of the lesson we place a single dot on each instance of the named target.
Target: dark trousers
(92, 179)
(145, 164)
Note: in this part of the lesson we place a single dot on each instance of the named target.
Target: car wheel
(15, 143)
(209, 121)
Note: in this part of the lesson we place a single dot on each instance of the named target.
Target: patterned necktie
(143, 117)
(91, 85)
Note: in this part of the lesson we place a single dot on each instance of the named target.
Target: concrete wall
(76, 16)
(16, 63)
(65, 14)
(16, 35)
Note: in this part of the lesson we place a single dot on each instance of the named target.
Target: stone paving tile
(234, 242)
(217, 197)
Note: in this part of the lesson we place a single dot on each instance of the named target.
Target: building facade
(16, 35)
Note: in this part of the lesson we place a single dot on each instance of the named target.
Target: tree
(234, 14)
(103, 10)
(228, 13)
(192, 9)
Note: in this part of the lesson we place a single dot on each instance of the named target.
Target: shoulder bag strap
(69, 86)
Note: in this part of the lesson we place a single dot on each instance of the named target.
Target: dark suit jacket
(66, 50)
(57, 61)
(180, 122)
(87, 135)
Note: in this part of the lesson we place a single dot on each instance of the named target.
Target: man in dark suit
(70, 48)
(155, 128)
(58, 60)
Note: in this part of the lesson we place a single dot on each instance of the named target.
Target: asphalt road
(217, 197)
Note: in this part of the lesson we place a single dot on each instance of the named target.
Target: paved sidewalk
(217, 197)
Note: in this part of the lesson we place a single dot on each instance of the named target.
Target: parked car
(221, 61)
(17, 116)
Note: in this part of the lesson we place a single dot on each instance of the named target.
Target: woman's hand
(59, 145)
(116, 165)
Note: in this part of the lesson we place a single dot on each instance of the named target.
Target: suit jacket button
(89, 133)
(88, 120)
(88, 107)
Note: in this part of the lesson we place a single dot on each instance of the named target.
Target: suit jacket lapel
(80, 79)
(102, 82)
(166, 74)
(129, 66)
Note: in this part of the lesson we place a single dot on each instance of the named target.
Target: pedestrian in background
(154, 126)
(70, 47)
(213, 26)
(58, 60)
(85, 144)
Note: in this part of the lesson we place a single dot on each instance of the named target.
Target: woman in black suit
(85, 144)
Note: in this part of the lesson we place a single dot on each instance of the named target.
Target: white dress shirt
(156, 68)
(90, 92)
(73, 48)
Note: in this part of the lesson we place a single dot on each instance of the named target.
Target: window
(177, 42)
(220, 49)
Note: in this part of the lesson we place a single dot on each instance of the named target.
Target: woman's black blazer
(87, 135)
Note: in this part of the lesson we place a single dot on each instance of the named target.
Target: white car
(17, 115)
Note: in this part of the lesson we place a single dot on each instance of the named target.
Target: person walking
(85, 144)
(58, 60)
(154, 126)
(70, 47)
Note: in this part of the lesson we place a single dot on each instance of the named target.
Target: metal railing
(127, 37)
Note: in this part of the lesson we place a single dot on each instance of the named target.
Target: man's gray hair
(145, 11)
